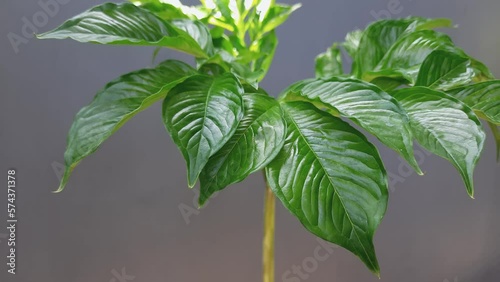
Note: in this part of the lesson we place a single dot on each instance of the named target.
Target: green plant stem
(268, 240)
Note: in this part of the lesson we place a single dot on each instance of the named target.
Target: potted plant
(407, 82)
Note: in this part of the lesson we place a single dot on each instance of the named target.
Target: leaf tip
(202, 201)
(192, 178)
(416, 167)
(41, 35)
(59, 189)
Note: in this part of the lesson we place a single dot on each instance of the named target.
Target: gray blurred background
(120, 213)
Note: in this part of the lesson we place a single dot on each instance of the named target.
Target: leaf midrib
(447, 74)
(331, 183)
(237, 141)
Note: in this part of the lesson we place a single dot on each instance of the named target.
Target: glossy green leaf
(366, 105)
(446, 127)
(376, 40)
(444, 70)
(114, 105)
(166, 11)
(257, 140)
(379, 37)
(329, 64)
(201, 114)
(331, 178)
(483, 98)
(408, 53)
(131, 25)
(388, 83)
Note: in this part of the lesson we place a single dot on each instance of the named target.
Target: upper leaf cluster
(407, 83)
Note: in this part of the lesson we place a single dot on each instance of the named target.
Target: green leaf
(446, 127)
(379, 37)
(257, 140)
(388, 83)
(351, 43)
(229, 64)
(128, 24)
(332, 179)
(114, 105)
(245, 74)
(483, 98)
(444, 70)
(277, 15)
(366, 105)
(266, 47)
(409, 52)
(329, 64)
(201, 114)
(427, 23)
(161, 9)
(483, 73)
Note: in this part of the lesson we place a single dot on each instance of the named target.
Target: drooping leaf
(329, 64)
(331, 178)
(131, 25)
(257, 140)
(201, 114)
(444, 70)
(366, 105)
(119, 101)
(446, 127)
(483, 98)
